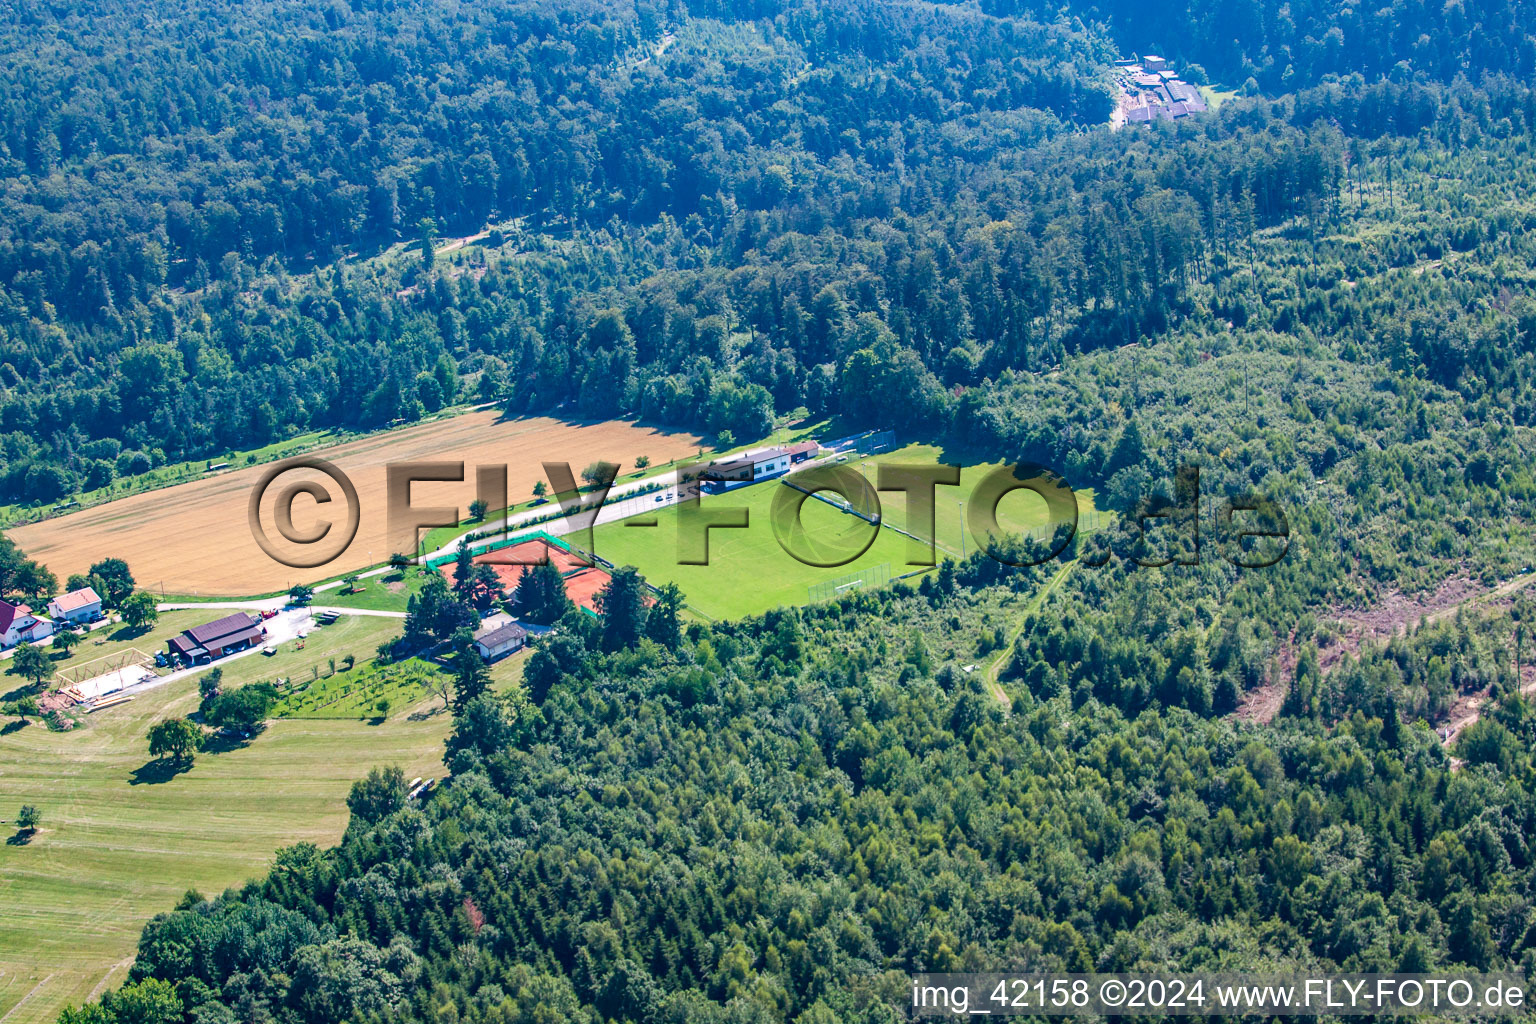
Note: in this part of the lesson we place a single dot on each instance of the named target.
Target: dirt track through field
(195, 538)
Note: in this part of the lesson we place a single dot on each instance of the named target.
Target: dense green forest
(900, 215)
(164, 162)
(776, 820)
(1287, 46)
(194, 197)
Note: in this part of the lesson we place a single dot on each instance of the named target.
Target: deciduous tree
(175, 738)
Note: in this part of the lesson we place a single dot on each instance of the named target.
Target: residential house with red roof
(83, 605)
(17, 623)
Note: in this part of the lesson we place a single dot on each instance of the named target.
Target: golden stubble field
(196, 538)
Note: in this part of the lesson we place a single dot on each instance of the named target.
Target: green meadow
(362, 692)
(122, 837)
(388, 592)
(750, 571)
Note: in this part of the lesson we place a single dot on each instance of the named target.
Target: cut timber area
(1393, 615)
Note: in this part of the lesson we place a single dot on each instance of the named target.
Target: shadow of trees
(159, 770)
(24, 690)
(223, 742)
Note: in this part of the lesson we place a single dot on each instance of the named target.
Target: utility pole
(1247, 394)
(1519, 636)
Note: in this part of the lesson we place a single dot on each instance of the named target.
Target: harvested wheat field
(196, 538)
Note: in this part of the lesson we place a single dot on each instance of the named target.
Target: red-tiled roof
(76, 599)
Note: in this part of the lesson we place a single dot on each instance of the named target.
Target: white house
(17, 623)
(495, 620)
(83, 605)
(749, 467)
(769, 463)
(500, 641)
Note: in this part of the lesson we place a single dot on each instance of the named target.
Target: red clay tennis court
(531, 552)
(510, 563)
(583, 581)
(583, 587)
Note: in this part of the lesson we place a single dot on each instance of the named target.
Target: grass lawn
(750, 573)
(509, 670)
(323, 597)
(325, 651)
(121, 841)
(1216, 95)
(390, 592)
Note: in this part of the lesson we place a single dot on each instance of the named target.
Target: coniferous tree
(623, 607)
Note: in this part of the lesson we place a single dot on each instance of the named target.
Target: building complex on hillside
(760, 464)
(18, 622)
(1149, 90)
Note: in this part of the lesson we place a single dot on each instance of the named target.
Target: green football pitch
(753, 569)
